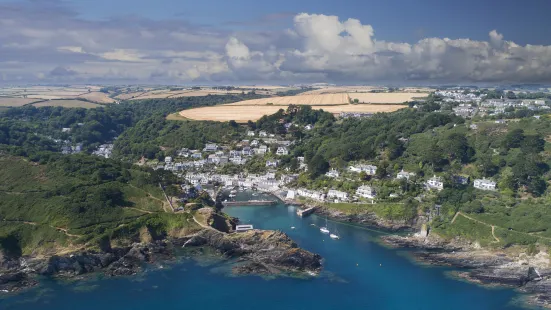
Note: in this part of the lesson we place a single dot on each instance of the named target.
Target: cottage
(308, 127)
(250, 133)
(333, 173)
(65, 129)
(271, 163)
(435, 183)
(368, 169)
(366, 192)
(211, 147)
(337, 194)
(196, 155)
(484, 184)
(316, 195)
(282, 151)
(247, 151)
(404, 175)
(261, 150)
(168, 160)
(254, 143)
(262, 134)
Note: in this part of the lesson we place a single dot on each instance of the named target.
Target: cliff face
(261, 252)
(258, 252)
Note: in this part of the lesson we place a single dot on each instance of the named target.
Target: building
(211, 147)
(337, 195)
(250, 133)
(271, 163)
(65, 129)
(368, 169)
(247, 151)
(243, 228)
(254, 143)
(281, 151)
(435, 183)
(168, 159)
(404, 175)
(262, 134)
(261, 150)
(484, 184)
(333, 173)
(308, 127)
(366, 192)
(316, 195)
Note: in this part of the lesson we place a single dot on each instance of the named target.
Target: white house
(247, 151)
(271, 163)
(316, 195)
(337, 194)
(368, 169)
(435, 183)
(250, 133)
(282, 151)
(333, 173)
(308, 127)
(210, 147)
(261, 150)
(254, 143)
(404, 175)
(168, 159)
(366, 192)
(484, 184)
(262, 134)
(65, 129)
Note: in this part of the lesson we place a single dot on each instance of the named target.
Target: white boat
(324, 228)
(233, 191)
(232, 195)
(335, 235)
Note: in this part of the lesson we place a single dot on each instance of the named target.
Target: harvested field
(15, 102)
(67, 104)
(225, 113)
(384, 97)
(362, 108)
(243, 113)
(129, 95)
(97, 97)
(329, 99)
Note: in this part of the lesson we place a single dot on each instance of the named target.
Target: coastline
(258, 253)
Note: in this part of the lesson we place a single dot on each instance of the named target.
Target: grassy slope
(36, 218)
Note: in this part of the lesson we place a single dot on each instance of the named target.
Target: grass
(67, 104)
(389, 211)
(15, 102)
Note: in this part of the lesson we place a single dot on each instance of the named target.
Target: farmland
(15, 102)
(327, 99)
(67, 104)
(244, 113)
(384, 97)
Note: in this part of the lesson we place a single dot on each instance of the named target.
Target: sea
(359, 272)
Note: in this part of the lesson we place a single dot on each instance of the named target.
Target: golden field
(67, 104)
(244, 113)
(15, 102)
(327, 99)
(384, 97)
(97, 97)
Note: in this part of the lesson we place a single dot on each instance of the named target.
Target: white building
(332, 193)
(366, 192)
(261, 150)
(263, 134)
(254, 143)
(484, 184)
(211, 147)
(404, 175)
(250, 133)
(368, 169)
(271, 163)
(435, 183)
(282, 151)
(333, 173)
(316, 195)
(168, 159)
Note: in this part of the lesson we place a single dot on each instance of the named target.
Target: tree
(513, 139)
(532, 144)
(233, 124)
(317, 166)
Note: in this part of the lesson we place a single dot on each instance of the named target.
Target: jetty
(306, 212)
(249, 203)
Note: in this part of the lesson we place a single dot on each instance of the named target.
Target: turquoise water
(358, 274)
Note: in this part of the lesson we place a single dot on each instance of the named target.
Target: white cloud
(316, 48)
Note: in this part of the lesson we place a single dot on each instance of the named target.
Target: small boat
(292, 227)
(324, 229)
(232, 195)
(233, 191)
(334, 236)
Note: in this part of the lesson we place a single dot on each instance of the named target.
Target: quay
(306, 212)
(249, 203)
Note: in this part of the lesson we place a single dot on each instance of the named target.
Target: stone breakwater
(259, 252)
(529, 274)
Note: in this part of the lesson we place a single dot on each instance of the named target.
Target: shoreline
(260, 252)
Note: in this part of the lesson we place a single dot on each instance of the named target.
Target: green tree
(317, 166)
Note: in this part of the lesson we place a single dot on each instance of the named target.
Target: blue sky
(395, 20)
(282, 41)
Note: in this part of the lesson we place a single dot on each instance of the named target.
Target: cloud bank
(45, 42)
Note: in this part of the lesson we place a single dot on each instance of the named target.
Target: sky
(182, 42)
